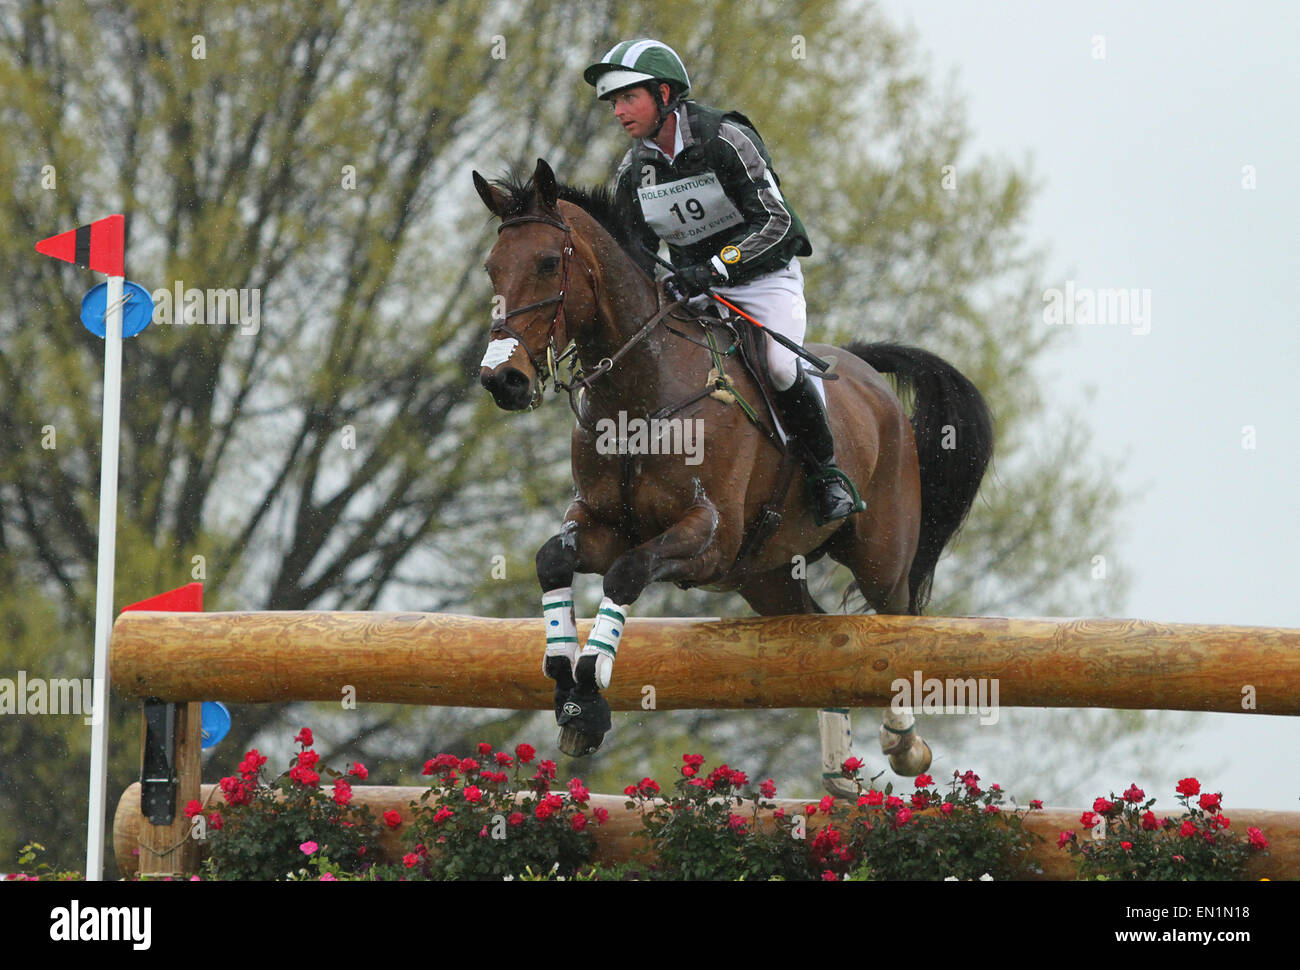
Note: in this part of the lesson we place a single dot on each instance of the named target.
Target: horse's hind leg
(887, 591)
(778, 593)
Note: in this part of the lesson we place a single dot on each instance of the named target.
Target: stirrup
(830, 473)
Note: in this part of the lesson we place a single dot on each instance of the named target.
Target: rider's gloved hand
(694, 280)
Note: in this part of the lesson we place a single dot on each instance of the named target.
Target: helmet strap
(664, 108)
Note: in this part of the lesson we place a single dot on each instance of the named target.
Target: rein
(579, 381)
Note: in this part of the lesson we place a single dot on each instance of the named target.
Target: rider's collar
(681, 137)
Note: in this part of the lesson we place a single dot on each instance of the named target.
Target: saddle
(746, 342)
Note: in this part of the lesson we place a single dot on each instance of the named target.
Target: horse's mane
(596, 200)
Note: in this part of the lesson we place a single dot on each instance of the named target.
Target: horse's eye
(548, 264)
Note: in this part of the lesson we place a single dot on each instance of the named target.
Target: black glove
(691, 281)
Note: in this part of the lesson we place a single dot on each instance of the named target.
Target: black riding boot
(830, 491)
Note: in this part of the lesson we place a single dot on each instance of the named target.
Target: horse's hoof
(913, 760)
(577, 743)
(584, 721)
(839, 786)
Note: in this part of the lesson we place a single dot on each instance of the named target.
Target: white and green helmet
(636, 62)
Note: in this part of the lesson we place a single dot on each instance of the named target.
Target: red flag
(100, 246)
(186, 599)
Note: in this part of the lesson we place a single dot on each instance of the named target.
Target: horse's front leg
(583, 544)
(678, 553)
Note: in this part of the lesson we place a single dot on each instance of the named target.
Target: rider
(700, 179)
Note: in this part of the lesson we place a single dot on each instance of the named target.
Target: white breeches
(776, 300)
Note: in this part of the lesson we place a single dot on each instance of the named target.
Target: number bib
(688, 210)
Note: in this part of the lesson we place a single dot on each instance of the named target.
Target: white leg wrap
(604, 638)
(561, 626)
(892, 722)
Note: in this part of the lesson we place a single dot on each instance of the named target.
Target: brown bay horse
(566, 273)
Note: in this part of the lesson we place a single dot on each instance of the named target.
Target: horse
(573, 286)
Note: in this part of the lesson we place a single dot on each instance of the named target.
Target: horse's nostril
(515, 380)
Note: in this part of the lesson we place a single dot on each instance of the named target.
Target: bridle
(578, 380)
(553, 358)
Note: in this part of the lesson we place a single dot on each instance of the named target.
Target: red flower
(1064, 838)
(215, 820)
(946, 808)
(1210, 802)
(872, 797)
(739, 779)
(767, 789)
(553, 800)
(1088, 819)
(1188, 828)
(694, 760)
(1134, 794)
(392, 818)
(442, 814)
(543, 811)
(919, 800)
(969, 779)
(193, 807)
(485, 749)
(893, 801)
(1221, 820)
(308, 759)
(851, 764)
(342, 791)
(251, 763)
(1257, 840)
(630, 791)
(304, 738)
(469, 766)
(1035, 803)
(1126, 846)
(504, 760)
(236, 792)
(304, 776)
(516, 818)
(688, 771)
(1189, 786)
(525, 752)
(924, 781)
(359, 770)
(411, 859)
(991, 810)
(829, 876)
(579, 791)
(601, 814)
(648, 787)
(473, 794)
(546, 769)
(1102, 806)
(579, 822)
(827, 804)
(1149, 821)
(736, 823)
(903, 817)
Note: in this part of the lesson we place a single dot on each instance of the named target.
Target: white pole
(104, 576)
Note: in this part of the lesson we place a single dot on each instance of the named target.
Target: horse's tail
(954, 444)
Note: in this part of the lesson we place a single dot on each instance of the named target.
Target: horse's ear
(544, 179)
(492, 197)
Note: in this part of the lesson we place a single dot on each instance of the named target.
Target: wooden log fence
(771, 662)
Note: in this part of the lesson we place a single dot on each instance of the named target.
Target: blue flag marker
(137, 311)
(215, 723)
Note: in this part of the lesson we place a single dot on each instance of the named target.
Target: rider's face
(635, 110)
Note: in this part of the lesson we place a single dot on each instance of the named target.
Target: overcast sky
(1145, 124)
